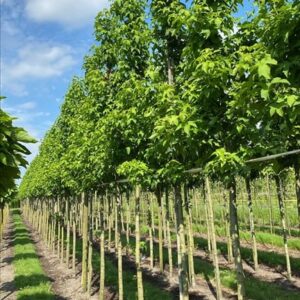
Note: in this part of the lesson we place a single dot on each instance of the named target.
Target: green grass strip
(30, 280)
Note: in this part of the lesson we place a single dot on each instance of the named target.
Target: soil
(65, 284)
(7, 287)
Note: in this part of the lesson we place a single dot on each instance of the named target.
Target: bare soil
(65, 284)
(7, 287)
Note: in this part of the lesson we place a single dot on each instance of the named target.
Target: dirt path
(65, 284)
(7, 287)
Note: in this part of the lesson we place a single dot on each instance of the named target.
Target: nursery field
(172, 170)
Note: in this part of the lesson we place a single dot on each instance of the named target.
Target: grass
(30, 280)
(271, 259)
(261, 237)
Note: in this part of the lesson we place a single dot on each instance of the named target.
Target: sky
(43, 43)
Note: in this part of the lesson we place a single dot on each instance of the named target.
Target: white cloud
(67, 12)
(41, 61)
(35, 61)
(28, 105)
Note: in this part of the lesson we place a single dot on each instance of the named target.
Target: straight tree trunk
(251, 221)
(284, 230)
(182, 255)
(190, 237)
(127, 223)
(213, 239)
(62, 242)
(85, 221)
(102, 264)
(160, 232)
(207, 225)
(227, 227)
(119, 244)
(297, 185)
(170, 257)
(234, 232)
(74, 247)
(140, 289)
(90, 244)
(150, 221)
(270, 205)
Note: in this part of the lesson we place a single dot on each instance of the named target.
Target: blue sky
(43, 43)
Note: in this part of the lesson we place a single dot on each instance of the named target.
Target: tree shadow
(26, 256)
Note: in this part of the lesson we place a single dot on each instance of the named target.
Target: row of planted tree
(170, 86)
(116, 213)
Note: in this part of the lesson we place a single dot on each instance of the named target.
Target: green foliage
(12, 152)
(170, 86)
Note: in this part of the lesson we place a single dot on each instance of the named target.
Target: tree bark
(234, 232)
(102, 263)
(169, 235)
(151, 229)
(213, 239)
(160, 232)
(140, 289)
(270, 204)
(90, 244)
(119, 244)
(251, 221)
(85, 221)
(182, 255)
(297, 186)
(190, 237)
(284, 230)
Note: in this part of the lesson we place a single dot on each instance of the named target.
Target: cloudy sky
(43, 43)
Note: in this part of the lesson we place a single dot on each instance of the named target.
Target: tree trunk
(90, 244)
(234, 231)
(251, 221)
(190, 237)
(284, 231)
(151, 229)
(140, 289)
(270, 205)
(85, 221)
(127, 223)
(297, 186)
(207, 225)
(227, 228)
(102, 263)
(160, 232)
(182, 255)
(74, 247)
(119, 244)
(1, 222)
(169, 235)
(213, 239)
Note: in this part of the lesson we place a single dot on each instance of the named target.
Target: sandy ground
(7, 287)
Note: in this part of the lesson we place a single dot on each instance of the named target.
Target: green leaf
(264, 94)
(264, 70)
(272, 110)
(23, 136)
(291, 99)
(279, 80)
